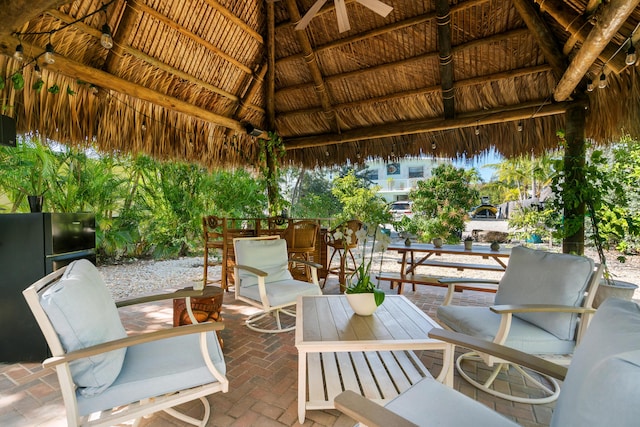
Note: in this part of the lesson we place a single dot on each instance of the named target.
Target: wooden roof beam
(543, 35)
(430, 55)
(120, 48)
(511, 74)
(135, 4)
(446, 57)
(108, 81)
(15, 13)
(237, 21)
(416, 20)
(314, 68)
(614, 14)
(578, 27)
(529, 110)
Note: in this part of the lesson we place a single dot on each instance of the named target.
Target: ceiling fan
(341, 12)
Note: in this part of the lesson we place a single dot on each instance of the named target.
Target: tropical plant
(360, 201)
(441, 203)
(360, 281)
(529, 222)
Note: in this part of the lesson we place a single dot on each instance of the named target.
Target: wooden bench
(423, 279)
(458, 265)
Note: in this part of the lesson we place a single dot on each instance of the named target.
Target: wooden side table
(205, 308)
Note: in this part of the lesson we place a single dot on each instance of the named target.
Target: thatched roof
(185, 77)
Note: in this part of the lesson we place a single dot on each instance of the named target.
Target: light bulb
(358, 154)
(433, 145)
(631, 55)
(106, 40)
(37, 72)
(49, 55)
(590, 85)
(18, 55)
(520, 127)
(477, 130)
(602, 82)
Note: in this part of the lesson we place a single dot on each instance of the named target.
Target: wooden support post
(446, 58)
(272, 165)
(574, 162)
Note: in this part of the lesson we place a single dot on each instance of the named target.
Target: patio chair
(301, 244)
(600, 386)
(543, 307)
(107, 377)
(263, 280)
(343, 250)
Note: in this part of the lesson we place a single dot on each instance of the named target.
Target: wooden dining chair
(301, 239)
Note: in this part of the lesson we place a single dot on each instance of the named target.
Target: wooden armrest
(182, 293)
(539, 308)
(448, 280)
(500, 351)
(133, 340)
(305, 262)
(367, 412)
(252, 270)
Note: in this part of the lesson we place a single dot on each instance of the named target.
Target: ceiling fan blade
(302, 24)
(377, 6)
(341, 14)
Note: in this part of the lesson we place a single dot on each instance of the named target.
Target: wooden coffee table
(339, 350)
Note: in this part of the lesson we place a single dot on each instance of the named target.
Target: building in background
(397, 179)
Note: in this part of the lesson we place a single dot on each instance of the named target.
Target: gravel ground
(147, 277)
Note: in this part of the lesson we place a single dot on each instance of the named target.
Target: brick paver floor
(262, 370)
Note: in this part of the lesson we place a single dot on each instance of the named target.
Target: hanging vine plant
(270, 156)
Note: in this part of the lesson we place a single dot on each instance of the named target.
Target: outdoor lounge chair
(600, 386)
(543, 307)
(263, 280)
(107, 377)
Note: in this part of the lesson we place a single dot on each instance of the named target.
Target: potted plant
(606, 199)
(363, 294)
(468, 243)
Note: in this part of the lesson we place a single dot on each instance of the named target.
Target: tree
(441, 203)
(360, 201)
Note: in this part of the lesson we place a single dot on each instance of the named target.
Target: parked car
(401, 209)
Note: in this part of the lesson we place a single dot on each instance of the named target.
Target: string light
(631, 54)
(590, 85)
(37, 72)
(477, 130)
(106, 40)
(602, 82)
(49, 54)
(433, 145)
(18, 55)
(520, 127)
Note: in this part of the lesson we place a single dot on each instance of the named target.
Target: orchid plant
(360, 281)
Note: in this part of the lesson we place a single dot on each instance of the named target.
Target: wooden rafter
(135, 4)
(578, 27)
(120, 48)
(408, 61)
(237, 21)
(512, 74)
(548, 44)
(17, 13)
(314, 68)
(614, 14)
(108, 81)
(446, 57)
(480, 118)
(417, 20)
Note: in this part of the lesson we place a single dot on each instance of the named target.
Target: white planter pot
(618, 289)
(362, 304)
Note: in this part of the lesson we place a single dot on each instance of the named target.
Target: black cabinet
(32, 246)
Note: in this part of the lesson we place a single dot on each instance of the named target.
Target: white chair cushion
(82, 312)
(603, 383)
(538, 277)
(269, 255)
(284, 292)
(430, 403)
(482, 323)
(157, 368)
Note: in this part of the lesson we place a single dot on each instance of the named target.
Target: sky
(491, 157)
